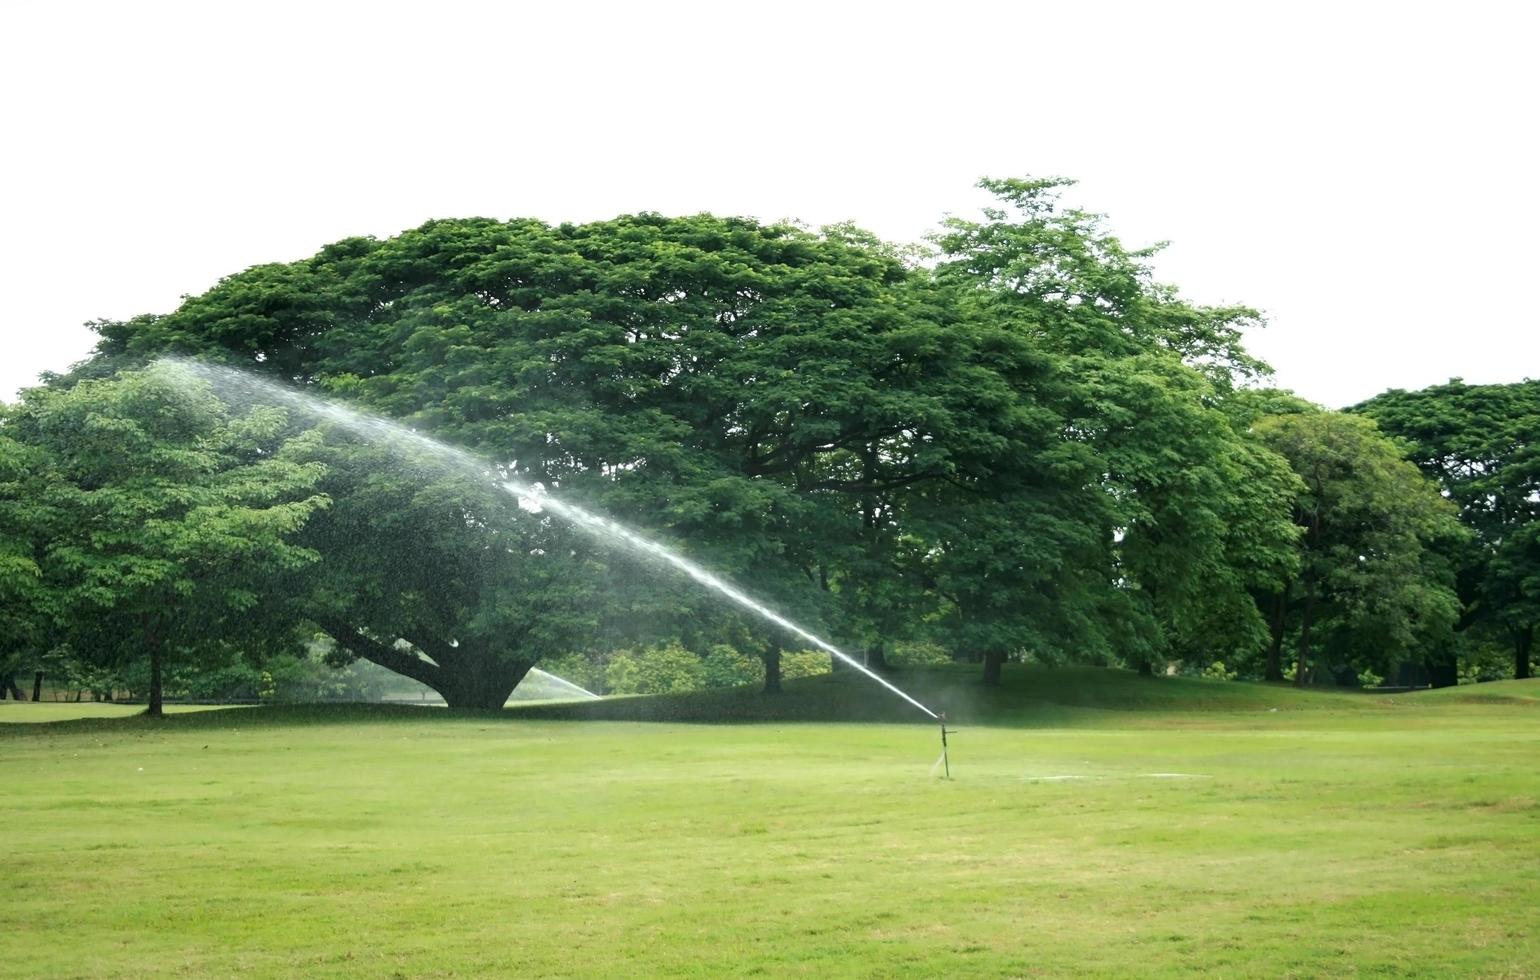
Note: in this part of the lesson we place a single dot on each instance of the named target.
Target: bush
(726, 667)
(918, 654)
(659, 670)
(671, 668)
(804, 663)
(1217, 671)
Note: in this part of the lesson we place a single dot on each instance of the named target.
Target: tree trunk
(8, 683)
(156, 707)
(1146, 669)
(484, 689)
(1444, 669)
(1274, 668)
(468, 675)
(1303, 665)
(1307, 616)
(403, 662)
(37, 685)
(994, 660)
(1521, 648)
(877, 656)
(772, 659)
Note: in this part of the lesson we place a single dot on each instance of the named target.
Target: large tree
(1123, 402)
(754, 394)
(1482, 444)
(24, 523)
(1025, 442)
(1373, 589)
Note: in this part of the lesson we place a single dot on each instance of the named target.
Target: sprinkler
(945, 762)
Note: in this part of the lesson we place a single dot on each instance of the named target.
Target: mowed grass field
(1097, 824)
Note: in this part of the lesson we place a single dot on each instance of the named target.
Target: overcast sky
(1364, 173)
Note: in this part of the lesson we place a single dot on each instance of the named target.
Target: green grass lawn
(39, 711)
(1098, 824)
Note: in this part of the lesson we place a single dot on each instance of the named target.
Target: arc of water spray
(604, 527)
(378, 429)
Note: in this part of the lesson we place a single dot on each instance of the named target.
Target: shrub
(804, 663)
(658, 670)
(918, 654)
(726, 667)
(1217, 671)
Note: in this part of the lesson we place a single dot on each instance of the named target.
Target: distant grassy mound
(1026, 696)
(1505, 692)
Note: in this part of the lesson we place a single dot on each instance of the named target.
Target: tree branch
(876, 486)
(360, 644)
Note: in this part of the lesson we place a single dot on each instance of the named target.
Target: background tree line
(1014, 444)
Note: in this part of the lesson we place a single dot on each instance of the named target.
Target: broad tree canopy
(1481, 443)
(1026, 444)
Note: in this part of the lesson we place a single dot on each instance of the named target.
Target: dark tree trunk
(9, 684)
(1443, 669)
(772, 659)
(37, 685)
(486, 689)
(877, 656)
(1306, 618)
(366, 647)
(1146, 669)
(465, 676)
(994, 660)
(1274, 668)
(156, 707)
(1521, 649)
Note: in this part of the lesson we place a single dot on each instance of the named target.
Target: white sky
(1364, 173)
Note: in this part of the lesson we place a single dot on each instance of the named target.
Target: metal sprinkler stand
(945, 762)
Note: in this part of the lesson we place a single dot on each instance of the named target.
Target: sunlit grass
(1351, 838)
(39, 711)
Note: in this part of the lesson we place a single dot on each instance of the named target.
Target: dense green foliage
(148, 522)
(1482, 444)
(671, 668)
(1021, 448)
(1373, 584)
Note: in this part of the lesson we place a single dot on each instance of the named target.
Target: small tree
(1482, 444)
(1371, 579)
(168, 520)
